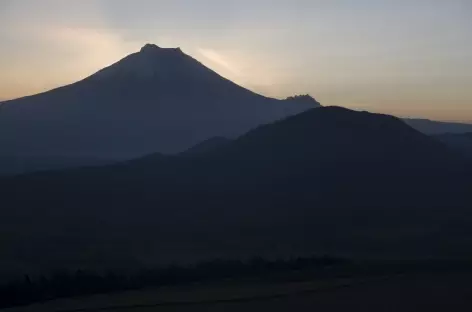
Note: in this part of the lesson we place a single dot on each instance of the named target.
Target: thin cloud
(64, 49)
(219, 60)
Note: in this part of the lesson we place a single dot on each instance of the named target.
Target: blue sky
(410, 58)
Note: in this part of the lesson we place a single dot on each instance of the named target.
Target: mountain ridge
(435, 127)
(324, 181)
(462, 142)
(154, 100)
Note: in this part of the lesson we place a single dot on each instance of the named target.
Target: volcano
(155, 100)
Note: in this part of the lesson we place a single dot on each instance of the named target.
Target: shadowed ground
(439, 292)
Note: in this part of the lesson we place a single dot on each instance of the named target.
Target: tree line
(27, 290)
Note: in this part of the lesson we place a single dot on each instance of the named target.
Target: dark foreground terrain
(412, 292)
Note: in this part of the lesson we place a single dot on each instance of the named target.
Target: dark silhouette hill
(155, 100)
(459, 141)
(14, 165)
(327, 181)
(207, 146)
(438, 127)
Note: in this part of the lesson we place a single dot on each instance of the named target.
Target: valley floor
(415, 292)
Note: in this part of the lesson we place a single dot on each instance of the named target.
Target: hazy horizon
(396, 57)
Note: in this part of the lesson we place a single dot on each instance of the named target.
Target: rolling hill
(438, 127)
(460, 141)
(327, 181)
(156, 100)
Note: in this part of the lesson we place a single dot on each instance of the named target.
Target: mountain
(15, 165)
(326, 181)
(303, 99)
(459, 141)
(438, 127)
(207, 146)
(155, 100)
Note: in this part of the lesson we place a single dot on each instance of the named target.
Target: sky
(402, 57)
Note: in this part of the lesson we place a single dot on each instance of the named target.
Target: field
(412, 292)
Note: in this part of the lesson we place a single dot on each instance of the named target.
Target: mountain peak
(304, 99)
(301, 97)
(150, 61)
(149, 47)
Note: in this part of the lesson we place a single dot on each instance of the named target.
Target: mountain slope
(459, 141)
(207, 146)
(14, 165)
(438, 127)
(328, 180)
(156, 100)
